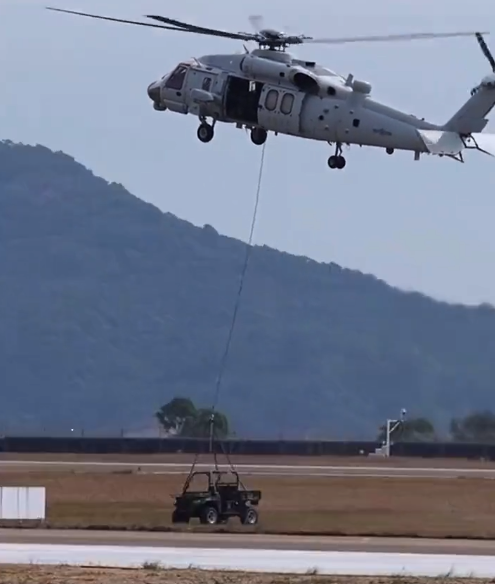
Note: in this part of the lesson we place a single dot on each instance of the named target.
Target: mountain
(109, 308)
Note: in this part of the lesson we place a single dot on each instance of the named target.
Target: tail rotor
(485, 50)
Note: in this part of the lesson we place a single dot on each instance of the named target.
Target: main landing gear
(337, 160)
(206, 132)
(258, 136)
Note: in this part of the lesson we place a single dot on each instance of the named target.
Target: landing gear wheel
(332, 162)
(258, 136)
(250, 517)
(209, 516)
(205, 132)
(336, 162)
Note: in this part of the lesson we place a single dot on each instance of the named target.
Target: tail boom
(471, 117)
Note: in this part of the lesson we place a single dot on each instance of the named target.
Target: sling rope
(223, 362)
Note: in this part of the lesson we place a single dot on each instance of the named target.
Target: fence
(79, 445)
(181, 445)
(22, 503)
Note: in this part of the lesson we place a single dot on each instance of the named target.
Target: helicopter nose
(154, 92)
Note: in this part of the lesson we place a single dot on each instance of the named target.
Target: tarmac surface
(247, 541)
(262, 469)
(265, 467)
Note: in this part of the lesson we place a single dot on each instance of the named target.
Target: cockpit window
(176, 79)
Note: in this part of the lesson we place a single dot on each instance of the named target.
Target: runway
(296, 470)
(247, 541)
(252, 552)
(253, 560)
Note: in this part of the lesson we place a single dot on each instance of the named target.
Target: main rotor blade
(486, 50)
(203, 30)
(390, 37)
(114, 19)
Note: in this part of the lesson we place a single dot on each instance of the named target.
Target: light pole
(392, 425)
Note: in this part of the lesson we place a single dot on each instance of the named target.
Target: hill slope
(110, 307)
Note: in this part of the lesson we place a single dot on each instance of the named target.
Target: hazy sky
(79, 85)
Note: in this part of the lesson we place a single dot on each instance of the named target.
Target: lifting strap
(223, 362)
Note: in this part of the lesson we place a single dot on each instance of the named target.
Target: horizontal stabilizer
(483, 142)
(439, 142)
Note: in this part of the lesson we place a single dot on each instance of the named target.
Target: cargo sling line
(223, 362)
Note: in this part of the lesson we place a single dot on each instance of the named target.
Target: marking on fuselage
(382, 132)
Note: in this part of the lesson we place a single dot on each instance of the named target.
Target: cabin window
(356, 123)
(206, 84)
(287, 103)
(271, 100)
(176, 79)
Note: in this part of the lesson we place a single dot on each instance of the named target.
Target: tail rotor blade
(485, 50)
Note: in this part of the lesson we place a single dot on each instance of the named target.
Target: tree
(476, 427)
(200, 425)
(177, 415)
(181, 417)
(413, 430)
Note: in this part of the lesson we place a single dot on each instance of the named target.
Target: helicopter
(269, 90)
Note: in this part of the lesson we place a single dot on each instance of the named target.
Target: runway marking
(366, 468)
(325, 475)
(249, 560)
(280, 470)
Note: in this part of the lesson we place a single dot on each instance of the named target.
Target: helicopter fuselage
(293, 97)
(269, 91)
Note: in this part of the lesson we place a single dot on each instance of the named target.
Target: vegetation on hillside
(110, 308)
(180, 417)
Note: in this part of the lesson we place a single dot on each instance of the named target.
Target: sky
(79, 85)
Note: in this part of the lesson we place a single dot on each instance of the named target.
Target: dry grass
(333, 505)
(67, 575)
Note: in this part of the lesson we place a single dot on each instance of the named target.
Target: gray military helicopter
(269, 90)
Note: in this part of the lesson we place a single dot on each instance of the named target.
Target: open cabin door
(279, 109)
(241, 100)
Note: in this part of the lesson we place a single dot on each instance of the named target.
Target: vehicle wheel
(209, 516)
(205, 133)
(258, 136)
(250, 517)
(179, 517)
(340, 162)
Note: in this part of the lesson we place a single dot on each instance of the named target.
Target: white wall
(22, 503)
